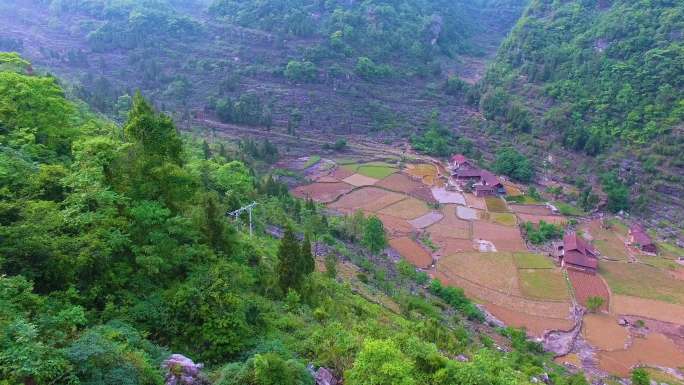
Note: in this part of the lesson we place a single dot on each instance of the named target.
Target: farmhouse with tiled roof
(576, 253)
(484, 183)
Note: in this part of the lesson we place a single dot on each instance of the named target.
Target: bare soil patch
(587, 285)
(359, 180)
(396, 227)
(341, 173)
(648, 308)
(475, 202)
(411, 251)
(452, 231)
(399, 182)
(493, 270)
(424, 194)
(604, 333)
(323, 192)
(535, 325)
(388, 199)
(530, 209)
(450, 226)
(358, 199)
(327, 179)
(554, 219)
(653, 350)
(505, 238)
(449, 245)
(446, 197)
(427, 220)
(410, 208)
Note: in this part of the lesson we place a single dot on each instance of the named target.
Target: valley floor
(476, 244)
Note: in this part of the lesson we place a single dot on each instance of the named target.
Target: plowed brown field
(604, 333)
(654, 350)
(410, 208)
(411, 251)
(535, 325)
(505, 238)
(323, 192)
(399, 182)
(587, 285)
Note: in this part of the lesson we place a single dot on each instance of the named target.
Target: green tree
(380, 362)
(640, 377)
(331, 266)
(374, 237)
(156, 133)
(291, 268)
(512, 163)
(301, 71)
(271, 369)
(594, 304)
(618, 193)
(308, 264)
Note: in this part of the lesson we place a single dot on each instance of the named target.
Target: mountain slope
(342, 66)
(602, 78)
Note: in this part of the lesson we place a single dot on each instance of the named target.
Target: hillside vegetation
(116, 252)
(335, 66)
(602, 78)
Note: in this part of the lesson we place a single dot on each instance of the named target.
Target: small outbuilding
(639, 238)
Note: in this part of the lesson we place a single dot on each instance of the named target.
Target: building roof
(571, 242)
(489, 178)
(469, 173)
(640, 235)
(578, 259)
(459, 159)
(479, 187)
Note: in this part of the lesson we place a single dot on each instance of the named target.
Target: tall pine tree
(306, 258)
(288, 257)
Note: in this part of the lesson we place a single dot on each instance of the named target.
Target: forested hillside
(116, 252)
(336, 66)
(601, 78)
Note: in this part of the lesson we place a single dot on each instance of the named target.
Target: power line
(236, 214)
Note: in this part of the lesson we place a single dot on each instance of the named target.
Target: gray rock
(325, 377)
(545, 378)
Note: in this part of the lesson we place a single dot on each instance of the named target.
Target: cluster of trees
(131, 24)
(512, 163)
(440, 141)
(617, 192)
(116, 252)
(611, 70)
(246, 109)
(301, 71)
(543, 232)
(413, 31)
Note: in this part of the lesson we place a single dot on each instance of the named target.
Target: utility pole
(236, 214)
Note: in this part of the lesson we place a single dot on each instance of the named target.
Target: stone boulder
(325, 376)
